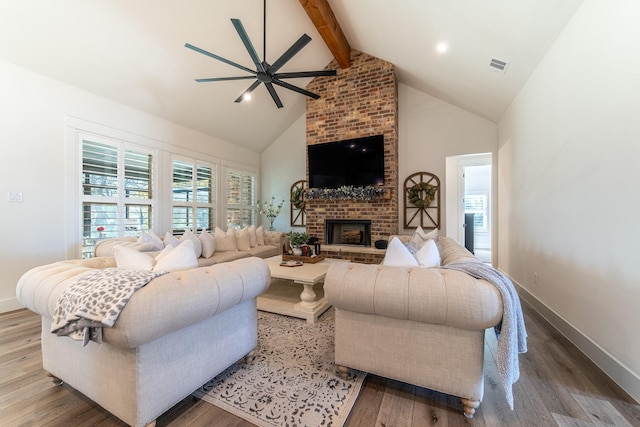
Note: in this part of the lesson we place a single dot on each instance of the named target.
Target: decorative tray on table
(291, 263)
(308, 259)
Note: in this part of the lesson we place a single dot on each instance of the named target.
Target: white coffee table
(284, 295)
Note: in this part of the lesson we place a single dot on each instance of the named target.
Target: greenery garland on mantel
(346, 192)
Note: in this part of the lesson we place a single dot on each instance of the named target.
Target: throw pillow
(398, 255)
(226, 241)
(151, 238)
(243, 239)
(197, 245)
(260, 236)
(170, 240)
(419, 238)
(130, 259)
(208, 243)
(428, 256)
(253, 237)
(181, 257)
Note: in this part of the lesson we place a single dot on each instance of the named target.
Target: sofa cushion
(208, 243)
(428, 255)
(260, 235)
(223, 256)
(253, 237)
(197, 245)
(128, 258)
(170, 240)
(419, 238)
(243, 240)
(398, 255)
(226, 241)
(182, 257)
(151, 238)
(265, 251)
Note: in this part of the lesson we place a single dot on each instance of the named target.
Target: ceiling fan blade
(221, 79)
(295, 48)
(219, 58)
(298, 74)
(248, 91)
(274, 95)
(247, 43)
(295, 89)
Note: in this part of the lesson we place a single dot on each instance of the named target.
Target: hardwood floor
(558, 386)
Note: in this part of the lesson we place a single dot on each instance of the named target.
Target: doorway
(469, 202)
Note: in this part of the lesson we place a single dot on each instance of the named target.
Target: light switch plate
(15, 197)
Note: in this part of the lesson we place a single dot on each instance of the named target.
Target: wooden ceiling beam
(325, 22)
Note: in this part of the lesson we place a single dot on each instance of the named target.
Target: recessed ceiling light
(442, 47)
(246, 96)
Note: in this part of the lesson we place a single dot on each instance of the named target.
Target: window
(193, 196)
(117, 190)
(241, 199)
(477, 204)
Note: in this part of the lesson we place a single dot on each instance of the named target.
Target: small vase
(297, 251)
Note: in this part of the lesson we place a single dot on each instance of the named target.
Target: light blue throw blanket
(512, 335)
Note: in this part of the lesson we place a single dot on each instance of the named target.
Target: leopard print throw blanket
(95, 301)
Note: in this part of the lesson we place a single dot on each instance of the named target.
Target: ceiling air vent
(498, 65)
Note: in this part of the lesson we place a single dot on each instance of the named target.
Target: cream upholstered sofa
(271, 244)
(423, 326)
(174, 334)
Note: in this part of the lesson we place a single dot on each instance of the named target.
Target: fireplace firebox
(356, 232)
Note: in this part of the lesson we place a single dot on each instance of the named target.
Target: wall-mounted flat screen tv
(357, 162)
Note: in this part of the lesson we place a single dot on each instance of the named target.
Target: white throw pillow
(197, 245)
(428, 256)
(398, 255)
(243, 239)
(151, 238)
(181, 257)
(260, 236)
(170, 240)
(419, 238)
(226, 241)
(208, 243)
(130, 259)
(253, 237)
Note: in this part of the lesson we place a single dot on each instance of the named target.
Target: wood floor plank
(558, 386)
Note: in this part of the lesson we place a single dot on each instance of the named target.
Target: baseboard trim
(10, 304)
(618, 372)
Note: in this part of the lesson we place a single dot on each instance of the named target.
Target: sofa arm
(275, 238)
(428, 295)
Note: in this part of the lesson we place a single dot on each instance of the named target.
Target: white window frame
(120, 200)
(241, 206)
(194, 204)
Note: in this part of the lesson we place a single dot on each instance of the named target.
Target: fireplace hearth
(351, 232)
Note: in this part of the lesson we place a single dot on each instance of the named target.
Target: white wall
(33, 119)
(283, 163)
(429, 130)
(568, 156)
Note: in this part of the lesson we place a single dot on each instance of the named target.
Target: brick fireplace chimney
(360, 101)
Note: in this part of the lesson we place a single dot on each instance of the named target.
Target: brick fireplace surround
(360, 101)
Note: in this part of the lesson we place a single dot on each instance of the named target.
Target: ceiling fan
(265, 73)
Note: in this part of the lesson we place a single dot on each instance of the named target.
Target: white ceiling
(133, 52)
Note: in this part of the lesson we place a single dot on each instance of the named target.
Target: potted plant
(296, 240)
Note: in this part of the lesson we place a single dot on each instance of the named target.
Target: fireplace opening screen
(348, 232)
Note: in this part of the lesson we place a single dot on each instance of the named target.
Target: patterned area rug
(293, 380)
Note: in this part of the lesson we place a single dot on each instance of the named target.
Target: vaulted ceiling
(133, 52)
